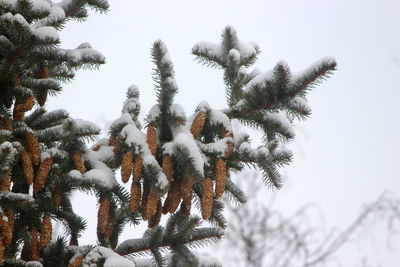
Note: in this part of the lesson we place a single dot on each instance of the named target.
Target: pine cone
(207, 198)
(110, 224)
(24, 105)
(198, 123)
(42, 173)
(45, 232)
(33, 246)
(137, 168)
(6, 231)
(42, 97)
(33, 147)
(149, 202)
(152, 139)
(152, 201)
(168, 168)
(155, 219)
(220, 177)
(102, 215)
(186, 189)
(5, 124)
(76, 260)
(27, 167)
(173, 198)
(78, 162)
(135, 196)
(57, 196)
(1, 250)
(116, 143)
(19, 116)
(42, 94)
(126, 166)
(145, 197)
(5, 182)
(11, 219)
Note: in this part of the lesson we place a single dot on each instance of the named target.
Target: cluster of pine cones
(147, 199)
(35, 168)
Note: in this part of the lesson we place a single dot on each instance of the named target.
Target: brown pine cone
(6, 231)
(45, 232)
(186, 189)
(207, 198)
(152, 138)
(24, 105)
(111, 224)
(102, 215)
(33, 246)
(79, 162)
(19, 116)
(11, 217)
(137, 168)
(220, 177)
(42, 95)
(197, 124)
(135, 196)
(5, 182)
(116, 143)
(42, 173)
(155, 219)
(5, 124)
(126, 166)
(152, 201)
(27, 167)
(168, 167)
(173, 198)
(57, 196)
(1, 250)
(33, 147)
(145, 196)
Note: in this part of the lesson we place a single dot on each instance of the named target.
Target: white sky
(345, 155)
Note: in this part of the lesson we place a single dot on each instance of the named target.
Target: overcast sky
(344, 156)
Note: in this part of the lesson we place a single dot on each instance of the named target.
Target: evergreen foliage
(176, 161)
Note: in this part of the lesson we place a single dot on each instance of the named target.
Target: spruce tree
(178, 166)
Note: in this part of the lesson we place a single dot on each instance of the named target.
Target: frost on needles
(177, 165)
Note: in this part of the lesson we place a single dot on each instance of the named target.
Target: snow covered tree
(174, 162)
